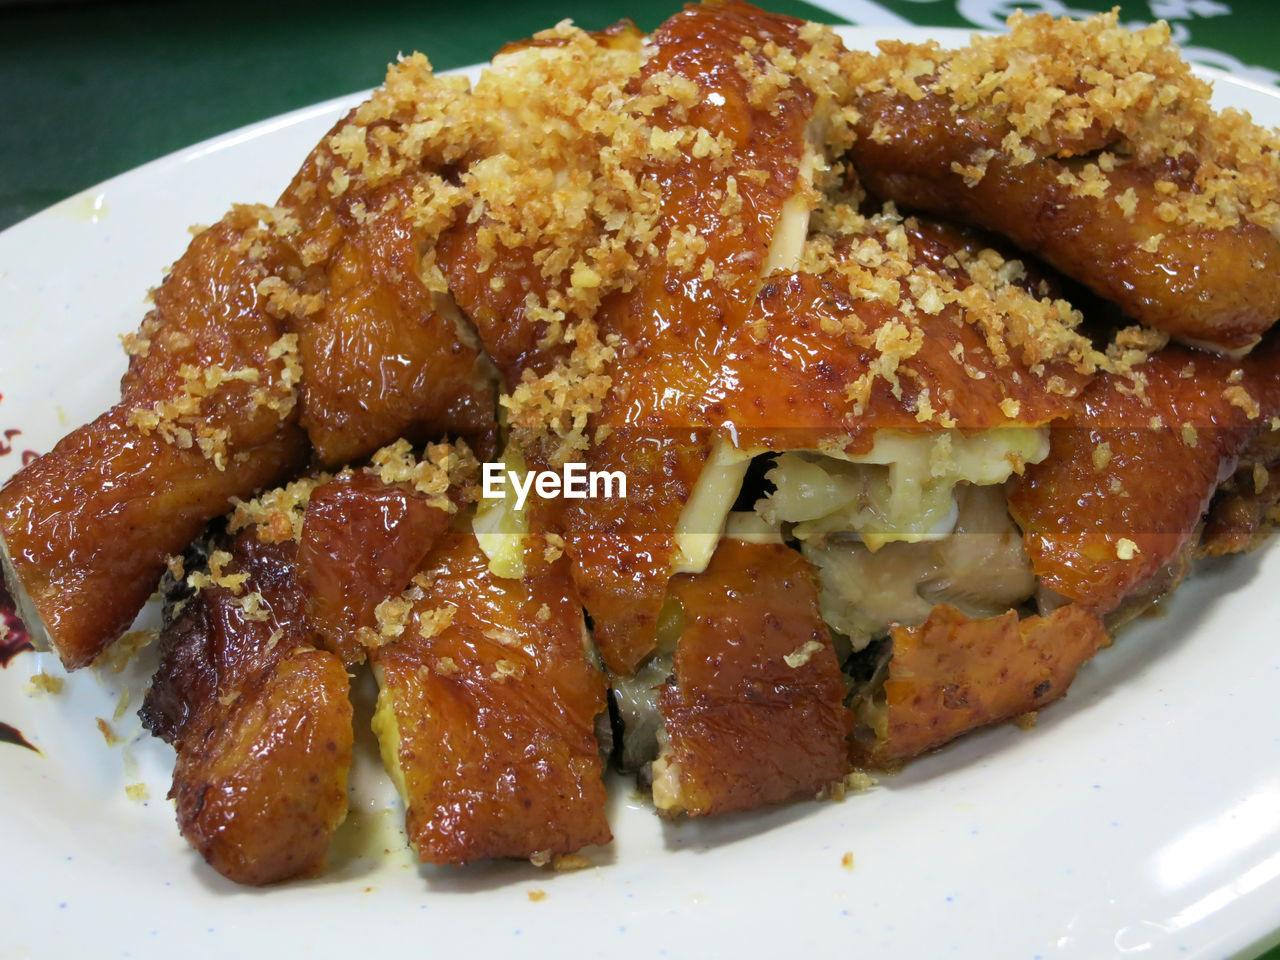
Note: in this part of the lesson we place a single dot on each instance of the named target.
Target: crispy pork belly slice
(207, 415)
(1148, 198)
(487, 711)
(362, 542)
(952, 674)
(259, 717)
(754, 714)
(1130, 474)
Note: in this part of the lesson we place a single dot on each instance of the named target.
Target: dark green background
(93, 89)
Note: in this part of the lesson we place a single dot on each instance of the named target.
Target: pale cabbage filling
(918, 520)
(902, 489)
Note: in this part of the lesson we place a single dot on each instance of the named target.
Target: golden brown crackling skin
(952, 674)
(262, 729)
(1216, 287)
(506, 766)
(89, 525)
(623, 550)
(362, 541)
(1153, 489)
(746, 728)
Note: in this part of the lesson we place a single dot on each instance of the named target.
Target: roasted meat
(754, 711)
(318, 294)
(207, 414)
(1099, 517)
(259, 717)
(1095, 148)
(838, 450)
(487, 710)
(952, 674)
(720, 204)
(363, 538)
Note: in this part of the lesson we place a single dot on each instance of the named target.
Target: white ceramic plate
(1142, 814)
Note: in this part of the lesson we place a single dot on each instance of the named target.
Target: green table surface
(93, 89)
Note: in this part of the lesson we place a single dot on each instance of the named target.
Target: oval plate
(1142, 814)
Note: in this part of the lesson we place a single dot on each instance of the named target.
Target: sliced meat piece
(754, 714)
(1147, 196)
(623, 550)
(1244, 511)
(551, 192)
(841, 366)
(259, 717)
(362, 542)
(487, 711)
(384, 356)
(720, 213)
(207, 415)
(952, 674)
(709, 145)
(322, 293)
(1130, 474)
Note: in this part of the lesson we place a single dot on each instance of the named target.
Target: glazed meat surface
(259, 717)
(857, 444)
(716, 227)
(1098, 520)
(952, 674)
(487, 711)
(754, 711)
(362, 542)
(843, 366)
(316, 294)
(1095, 149)
(385, 357)
(207, 415)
